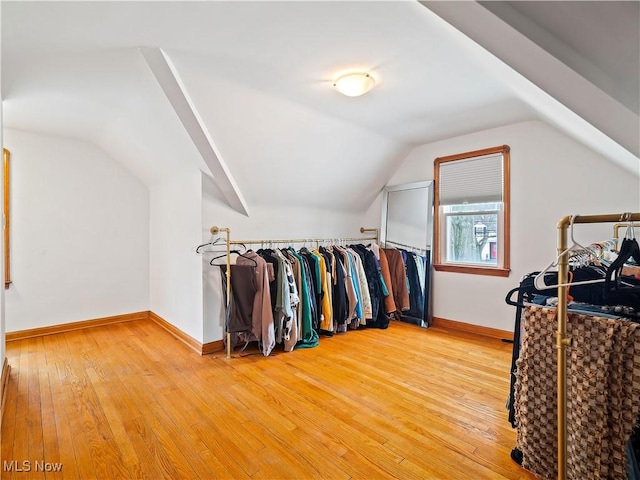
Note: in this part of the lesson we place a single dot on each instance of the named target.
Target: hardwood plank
(136, 434)
(21, 434)
(127, 454)
(64, 436)
(164, 439)
(7, 437)
(338, 439)
(96, 430)
(49, 428)
(141, 451)
(34, 414)
(128, 400)
(196, 450)
(184, 388)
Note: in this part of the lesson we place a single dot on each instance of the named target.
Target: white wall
(551, 176)
(268, 222)
(175, 269)
(79, 234)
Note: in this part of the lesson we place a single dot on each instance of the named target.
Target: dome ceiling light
(354, 84)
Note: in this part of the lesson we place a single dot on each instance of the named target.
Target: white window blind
(471, 180)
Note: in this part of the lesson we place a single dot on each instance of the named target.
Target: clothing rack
(410, 247)
(215, 230)
(563, 341)
(618, 226)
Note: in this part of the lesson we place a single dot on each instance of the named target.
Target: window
(472, 212)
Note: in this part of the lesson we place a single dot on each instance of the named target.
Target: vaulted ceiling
(257, 78)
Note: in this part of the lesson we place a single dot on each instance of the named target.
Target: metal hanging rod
(214, 230)
(406, 245)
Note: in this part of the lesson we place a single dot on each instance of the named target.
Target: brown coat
(398, 278)
(389, 302)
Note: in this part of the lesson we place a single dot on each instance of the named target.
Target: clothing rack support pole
(375, 230)
(562, 342)
(228, 356)
(214, 231)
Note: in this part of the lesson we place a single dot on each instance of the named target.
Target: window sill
(493, 272)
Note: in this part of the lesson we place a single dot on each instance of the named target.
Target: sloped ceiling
(600, 40)
(259, 75)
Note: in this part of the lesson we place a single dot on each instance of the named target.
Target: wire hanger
(240, 254)
(630, 233)
(628, 249)
(213, 242)
(539, 279)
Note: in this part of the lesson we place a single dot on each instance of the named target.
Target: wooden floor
(130, 401)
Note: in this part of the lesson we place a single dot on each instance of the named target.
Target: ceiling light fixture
(354, 84)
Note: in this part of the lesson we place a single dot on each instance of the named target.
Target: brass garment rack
(563, 341)
(215, 230)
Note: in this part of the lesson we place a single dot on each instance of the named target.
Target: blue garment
(356, 286)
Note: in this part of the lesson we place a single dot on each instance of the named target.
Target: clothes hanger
(509, 301)
(628, 249)
(237, 252)
(539, 279)
(211, 243)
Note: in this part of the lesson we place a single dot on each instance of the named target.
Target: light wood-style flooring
(130, 401)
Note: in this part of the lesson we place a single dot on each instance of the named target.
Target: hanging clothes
(421, 265)
(379, 318)
(296, 296)
(358, 318)
(262, 313)
(350, 285)
(338, 290)
(415, 289)
(398, 279)
(286, 319)
(272, 266)
(363, 286)
(308, 337)
(389, 302)
(326, 318)
(299, 295)
(243, 292)
(305, 287)
(603, 383)
(311, 273)
(376, 250)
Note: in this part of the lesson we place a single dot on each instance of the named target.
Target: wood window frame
(502, 270)
(6, 160)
